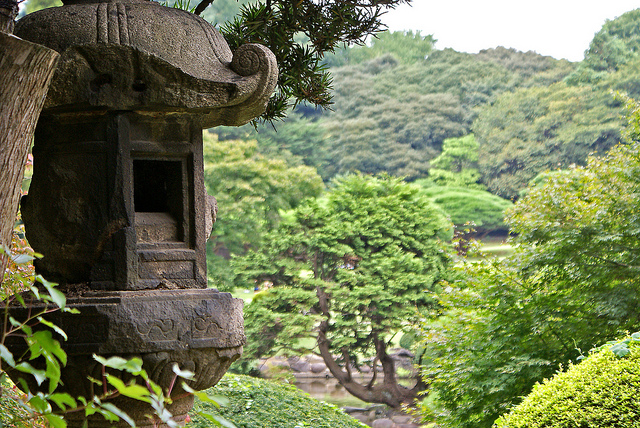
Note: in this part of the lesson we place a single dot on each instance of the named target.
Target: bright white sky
(558, 28)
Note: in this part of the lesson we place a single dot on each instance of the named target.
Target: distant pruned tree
(351, 271)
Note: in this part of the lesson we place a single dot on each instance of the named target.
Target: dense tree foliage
(457, 165)
(572, 283)
(300, 34)
(526, 64)
(616, 44)
(408, 47)
(531, 130)
(397, 100)
(350, 271)
(251, 190)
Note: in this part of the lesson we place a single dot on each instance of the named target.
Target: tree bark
(389, 392)
(26, 70)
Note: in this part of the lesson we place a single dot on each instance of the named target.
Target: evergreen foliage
(601, 391)
(393, 112)
(457, 165)
(617, 43)
(530, 130)
(406, 47)
(299, 34)
(350, 271)
(254, 403)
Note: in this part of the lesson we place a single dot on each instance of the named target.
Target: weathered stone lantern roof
(139, 55)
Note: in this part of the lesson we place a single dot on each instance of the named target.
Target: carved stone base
(199, 330)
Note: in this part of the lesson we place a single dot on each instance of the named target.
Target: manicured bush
(257, 403)
(464, 205)
(602, 391)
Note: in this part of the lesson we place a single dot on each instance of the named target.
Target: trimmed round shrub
(464, 205)
(601, 391)
(257, 403)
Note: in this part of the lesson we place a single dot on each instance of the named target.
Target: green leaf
(131, 390)
(56, 421)
(218, 420)
(133, 366)
(7, 356)
(39, 375)
(57, 296)
(119, 413)
(94, 380)
(620, 350)
(216, 400)
(21, 259)
(45, 339)
(40, 404)
(63, 400)
(14, 322)
(53, 327)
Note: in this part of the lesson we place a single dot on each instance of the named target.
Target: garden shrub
(465, 205)
(257, 403)
(602, 391)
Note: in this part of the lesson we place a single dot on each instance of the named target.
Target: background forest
(461, 137)
(476, 133)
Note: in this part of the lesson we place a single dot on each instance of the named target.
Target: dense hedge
(602, 391)
(257, 403)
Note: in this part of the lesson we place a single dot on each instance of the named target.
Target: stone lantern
(117, 203)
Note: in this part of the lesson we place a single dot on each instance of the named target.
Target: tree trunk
(25, 72)
(389, 392)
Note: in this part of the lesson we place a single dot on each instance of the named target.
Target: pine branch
(202, 6)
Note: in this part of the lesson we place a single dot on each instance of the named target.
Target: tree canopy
(351, 271)
(531, 130)
(397, 100)
(570, 284)
(300, 34)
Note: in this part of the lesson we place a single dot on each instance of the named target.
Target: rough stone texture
(318, 367)
(199, 330)
(298, 365)
(401, 419)
(111, 58)
(382, 423)
(117, 200)
(186, 323)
